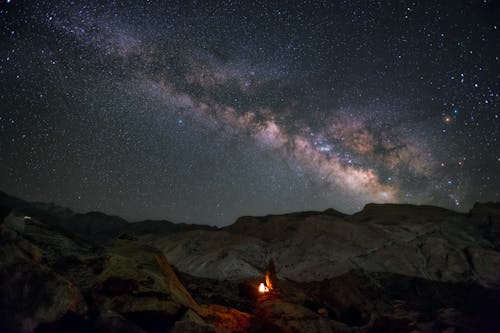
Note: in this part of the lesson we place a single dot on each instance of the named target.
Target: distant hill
(93, 226)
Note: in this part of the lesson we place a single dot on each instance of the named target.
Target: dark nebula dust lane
(201, 113)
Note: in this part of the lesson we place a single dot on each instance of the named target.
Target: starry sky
(203, 111)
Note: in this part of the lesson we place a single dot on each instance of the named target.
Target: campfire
(270, 284)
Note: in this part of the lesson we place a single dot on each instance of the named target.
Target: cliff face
(416, 241)
(388, 268)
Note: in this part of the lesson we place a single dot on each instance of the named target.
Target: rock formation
(388, 268)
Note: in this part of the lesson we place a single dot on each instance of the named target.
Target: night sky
(201, 113)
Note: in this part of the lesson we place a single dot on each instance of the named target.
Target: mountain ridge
(61, 212)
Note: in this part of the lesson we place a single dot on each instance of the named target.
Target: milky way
(202, 113)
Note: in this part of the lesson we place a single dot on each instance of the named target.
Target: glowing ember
(263, 288)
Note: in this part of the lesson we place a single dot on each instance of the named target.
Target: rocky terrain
(419, 241)
(388, 268)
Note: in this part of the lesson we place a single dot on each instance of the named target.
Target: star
(150, 104)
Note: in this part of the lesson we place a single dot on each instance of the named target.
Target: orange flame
(268, 281)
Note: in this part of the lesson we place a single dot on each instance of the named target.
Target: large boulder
(31, 293)
(138, 283)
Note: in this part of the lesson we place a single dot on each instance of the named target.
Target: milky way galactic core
(203, 112)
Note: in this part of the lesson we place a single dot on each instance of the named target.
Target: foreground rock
(138, 283)
(360, 302)
(32, 294)
(51, 281)
(282, 316)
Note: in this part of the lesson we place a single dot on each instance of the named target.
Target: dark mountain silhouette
(95, 227)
